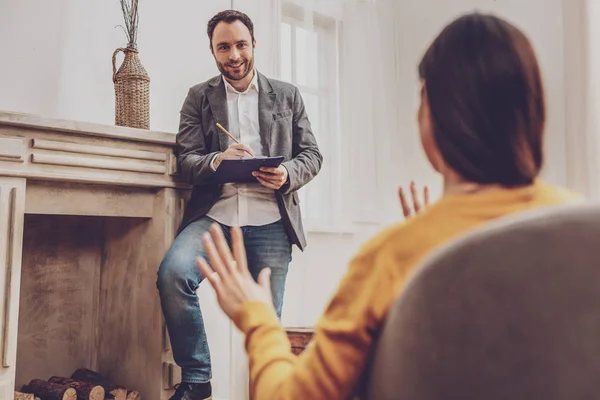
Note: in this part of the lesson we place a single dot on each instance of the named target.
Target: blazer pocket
(282, 114)
(296, 198)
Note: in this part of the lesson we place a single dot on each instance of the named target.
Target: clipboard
(240, 170)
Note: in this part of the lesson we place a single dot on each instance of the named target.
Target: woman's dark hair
(229, 16)
(486, 98)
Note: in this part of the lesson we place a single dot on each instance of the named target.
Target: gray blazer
(284, 129)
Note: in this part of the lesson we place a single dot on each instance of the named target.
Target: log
(299, 338)
(49, 391)
(85, 390)
(133, 395)
(24, 396)
(87, 375)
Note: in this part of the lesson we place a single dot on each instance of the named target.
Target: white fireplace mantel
(86, 214)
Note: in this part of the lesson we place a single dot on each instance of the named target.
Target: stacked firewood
(84, 384)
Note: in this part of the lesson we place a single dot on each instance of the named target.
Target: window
(309, 54)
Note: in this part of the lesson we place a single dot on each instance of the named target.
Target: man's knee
(177, 272)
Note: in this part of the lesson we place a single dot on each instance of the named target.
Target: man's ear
(254, 43)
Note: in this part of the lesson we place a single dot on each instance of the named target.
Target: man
(269, 119)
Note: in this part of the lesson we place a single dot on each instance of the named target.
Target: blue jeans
(179, 278)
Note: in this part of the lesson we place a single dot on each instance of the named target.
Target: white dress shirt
(245, 204)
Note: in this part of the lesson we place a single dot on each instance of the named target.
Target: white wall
(57, 62)
(56, 56)
(31, 44)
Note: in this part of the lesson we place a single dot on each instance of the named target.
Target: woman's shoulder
(558, 194)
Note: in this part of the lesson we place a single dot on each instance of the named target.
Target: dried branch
(131, 17)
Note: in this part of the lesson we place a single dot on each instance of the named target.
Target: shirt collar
(253, 84)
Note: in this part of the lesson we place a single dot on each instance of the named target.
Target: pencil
(227, 133)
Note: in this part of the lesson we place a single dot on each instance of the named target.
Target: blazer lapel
(266, 99)
(217, 99)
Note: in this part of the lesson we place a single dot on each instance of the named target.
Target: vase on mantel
(132, 90)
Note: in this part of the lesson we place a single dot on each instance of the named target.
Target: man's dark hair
(486, 98)
(229, 16)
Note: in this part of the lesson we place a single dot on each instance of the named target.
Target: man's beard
(245, 66)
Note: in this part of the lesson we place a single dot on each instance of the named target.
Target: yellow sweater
(331, 366)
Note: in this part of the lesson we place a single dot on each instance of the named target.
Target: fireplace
(86, 214)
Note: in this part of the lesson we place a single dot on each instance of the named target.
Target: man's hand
(416, 202)
(234, 151)
(273, 178)
(228, 273)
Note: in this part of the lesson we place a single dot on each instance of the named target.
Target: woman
(481, 121)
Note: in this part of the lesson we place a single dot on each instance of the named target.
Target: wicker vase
(132, 90)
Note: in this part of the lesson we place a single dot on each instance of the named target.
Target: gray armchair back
(510, 311)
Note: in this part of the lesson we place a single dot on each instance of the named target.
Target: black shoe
(192, 391)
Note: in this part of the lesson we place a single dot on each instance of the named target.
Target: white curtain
(582, 83)
(369, 106)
